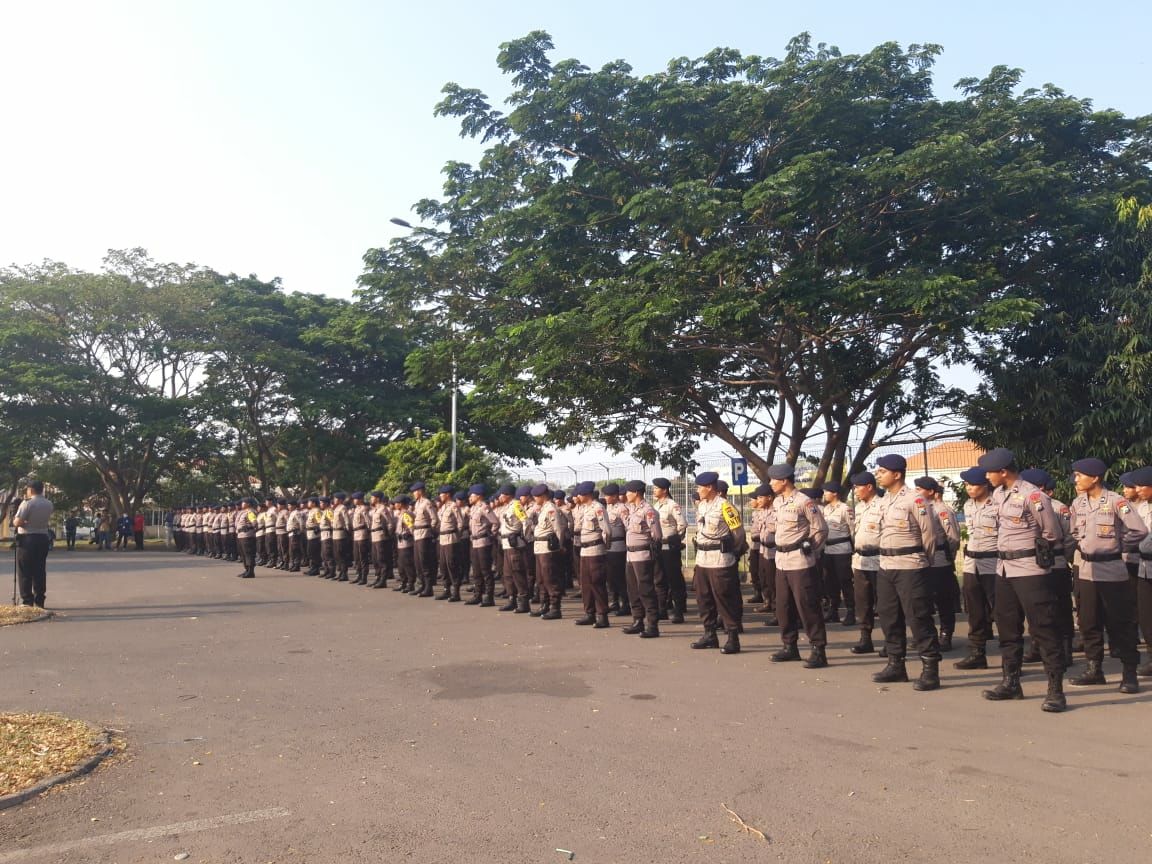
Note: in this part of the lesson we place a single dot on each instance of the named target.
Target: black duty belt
(378, 530)
(836, 540)
(591, 545)
(969, 553)
(900, 550)
(639, 548)
(790, 547)
(868, 550)
(709, 547)
(1016, 554)
(1146, 556)
(446, 533)
(768, 547)
(1099, 557)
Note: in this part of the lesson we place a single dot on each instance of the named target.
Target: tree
(107, 364)
(427, 458)
(762, 251)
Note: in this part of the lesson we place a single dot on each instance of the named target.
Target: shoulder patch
(730, 515)
(1124, 507)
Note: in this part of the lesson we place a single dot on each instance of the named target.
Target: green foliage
(750, 249)
(428, 458)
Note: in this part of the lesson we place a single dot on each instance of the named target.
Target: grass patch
(34, 747)
(18, 614)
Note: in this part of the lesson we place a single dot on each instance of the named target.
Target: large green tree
(768, 252)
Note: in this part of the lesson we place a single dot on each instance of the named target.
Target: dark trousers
(837, 571)
(864, 592)
(943, 581)
(406, 565)
(1111, 606)
(482, 577)
(754, 559)
(327, 556)
(718, 597)
(446, 565)
(903, 601)
(424, 552)
(460, 552)
(70, 539)
(768, 578)
(382, 559)
(642, 591)
(295, 551)
(617, 581)
(362, 556)
(247, 547)
(980, 601)
(138, 536)
(1061, 580)
(31, 567)
(546, 577)
(1031, 599)
(594, 584)
(283, 545)
(672, 575)
(1144, 608)
(314, 554)
(515, 573)
(341, 551)
(798, 602)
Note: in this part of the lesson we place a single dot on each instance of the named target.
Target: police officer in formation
(898, 544)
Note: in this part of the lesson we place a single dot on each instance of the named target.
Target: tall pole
(454, 389)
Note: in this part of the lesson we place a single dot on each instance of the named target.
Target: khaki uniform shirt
(482, 525)
(36, 511)
(547, 522)
(982, 518)
(617, 516)
(1144, 509)
(947, 535)
(839, 519)
(801, 531)
(866, 537)
(907, 531)
(642, 529)
(718, 527)
(768, 533)
(451, 524)
(1024, 513)
(1105, 528)
(590, 529)
(672, 521)
(426, 521)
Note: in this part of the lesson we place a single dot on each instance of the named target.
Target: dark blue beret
(377, 494)
(540, 489)
(708, 478)
(460, 496)
(1091, 467)
(1037, 477)
(610, 489)
(507, 489)
(1142, 477)
(762, 491)
(782, 471)
(928, 483)
(586, 487)
(893, 462)
(446, 490)
(339, 496)
(558, 495)
(997, 459)
(478, 489)
(864, 478)
(322, 500)
(404, 499)
(813, 493)
(635, 486)
(521, 491)
(662, 482)
(834, 487)
(357, 496)
(418, 486)
(722, 486)
(1126, 479)
(976, 476)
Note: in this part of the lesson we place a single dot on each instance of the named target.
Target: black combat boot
(455, 598)
(636, 628)
(977, 659)
(849, 617)
(426, 589)
(732, 645)
(475, 600)
(817, 659)
(786, 654)
(651, 631)
(894, 673)
(585, 620)
(553, 613)
(864, 646)
(522, 605)
(1093, 674)
(1054, 701)
(677, 616)
(757, 596)
(510, 606)
(601, 622)
(488, 600)
(1128, 680)
(545, 605)
(708, 640)
(929, 675)
(945, 641)
(1009, 686)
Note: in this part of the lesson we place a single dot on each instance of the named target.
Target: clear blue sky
(278, 138)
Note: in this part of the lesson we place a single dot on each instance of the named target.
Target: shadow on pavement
(128, 612)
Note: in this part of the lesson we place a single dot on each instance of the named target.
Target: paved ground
(289, 719)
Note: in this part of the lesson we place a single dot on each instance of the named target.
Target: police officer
(617, 554)
(425, 526)
(800, 537)
(245, 522)
(642, 537)
(865, 557)
(451, 526)
(903, 590)
(483, 526)
(764, 499)
(719, 539)
(405, 547)
(341, 535)
(327, 522)
(755, 529)
(361, 538)
(513, 543)
(671, 589)
(462, 547)
(837, 557)
(942, 569)
(1142, 482)
(1105, 527)
(282, 534)
(297, 521)
(1061, 574)
(979, 570)
(548, 530)
(31, 522)
(381, 530)
(1026, 533)
(312, 528)
(591, 533)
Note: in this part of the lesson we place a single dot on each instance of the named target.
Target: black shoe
(552, 614)
(708, 640)
(818, 659)
(474, 600)
(894, 673)
(864, 646)
(1008, 688)
(771, 621)
(539, 611)
(650, 632)
(945, 643)
(1054, 701)
(757, 597)
(976, 659)
(662, 616)
(786, 654)
(522, 606)
(601, 622)
(455, 598)
(1144, 670)
(1033, 653)
(447, 595)
(849, 618)
(488, 600)
(732, 646)
(614, 606)
(1128, 680)
(636, 628)
(510, 606)
(929, 676)
(1093, 674)
(586, 620)
(676, 618)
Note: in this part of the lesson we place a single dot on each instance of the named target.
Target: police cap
(1037, 477)
(610, 489)
(635, 486)
(864, 478)
(996, 459)
(662, 482)
(708, 478)
(781, 471)
(892, 462)
(1091, 467)
(540, 490)
(975, 476)
(1142, 477)
(587, 487)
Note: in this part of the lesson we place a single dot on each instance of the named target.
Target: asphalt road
(288, 719)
